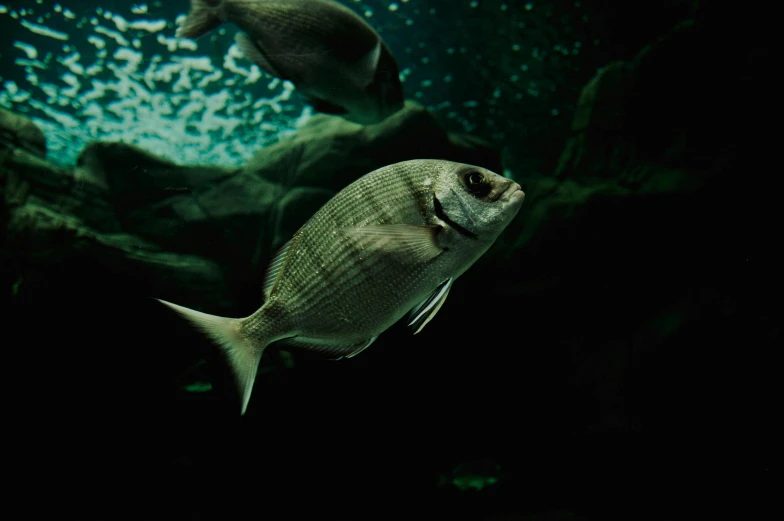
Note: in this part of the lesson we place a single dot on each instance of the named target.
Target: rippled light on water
(99, 75)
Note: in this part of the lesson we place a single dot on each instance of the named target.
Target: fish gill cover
(114, 71)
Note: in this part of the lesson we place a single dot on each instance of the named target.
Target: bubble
(393, 7)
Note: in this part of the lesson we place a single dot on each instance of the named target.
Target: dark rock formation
(19, 132)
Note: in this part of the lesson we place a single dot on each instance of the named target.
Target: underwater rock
(18, 131)
(597, 119)
(135, 176)
(58, 217)
(225, 214)
(619, 129)
(330, 152)
(641, 247)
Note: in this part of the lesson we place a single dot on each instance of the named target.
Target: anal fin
(356, 352)
(336, 350)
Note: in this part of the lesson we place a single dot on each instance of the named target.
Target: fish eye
(476, 184)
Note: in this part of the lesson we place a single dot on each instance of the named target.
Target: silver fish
(329, 53)
(391, 242)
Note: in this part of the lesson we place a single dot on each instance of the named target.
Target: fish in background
(390, 243)
(327, 51)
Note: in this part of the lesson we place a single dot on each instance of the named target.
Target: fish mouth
(513, 193)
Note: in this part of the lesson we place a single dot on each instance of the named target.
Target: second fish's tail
(205, 15)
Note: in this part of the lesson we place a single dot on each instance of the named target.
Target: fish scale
(391, 242)
(344, 288)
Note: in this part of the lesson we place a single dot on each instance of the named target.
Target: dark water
(610, 359)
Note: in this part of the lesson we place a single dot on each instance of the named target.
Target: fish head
(482, 202)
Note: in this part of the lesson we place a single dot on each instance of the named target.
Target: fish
(390, 243)
(330, 54)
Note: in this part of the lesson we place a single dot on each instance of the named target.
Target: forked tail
(243, 353)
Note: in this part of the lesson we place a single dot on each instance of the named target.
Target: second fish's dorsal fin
(420, 243)
(274, 269)
(427, 309)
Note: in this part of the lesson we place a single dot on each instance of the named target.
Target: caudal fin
(203, 17)
(242, 352)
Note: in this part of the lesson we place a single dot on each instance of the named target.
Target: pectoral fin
(424, 312)
(419, 243)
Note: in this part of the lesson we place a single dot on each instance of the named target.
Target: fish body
(329, 53)
(391, 243)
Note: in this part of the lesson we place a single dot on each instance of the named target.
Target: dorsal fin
(274, 269)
